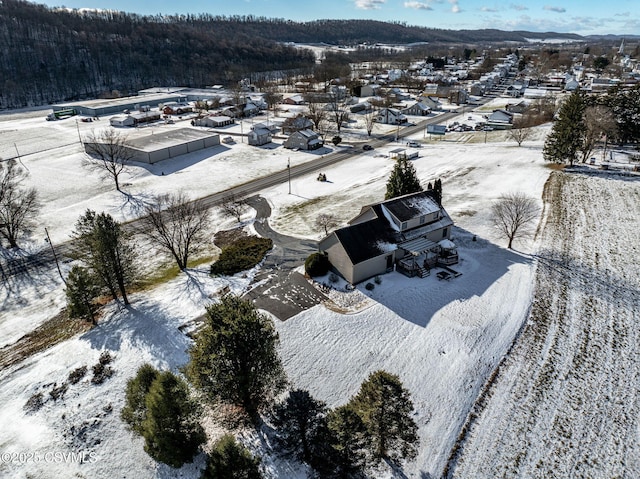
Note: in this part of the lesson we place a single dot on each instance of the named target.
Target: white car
(413, 144)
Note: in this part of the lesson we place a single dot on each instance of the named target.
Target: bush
(77, 374)
(34, 403)
(102, 371)
(171, 430)
(57, 392)
(369, 286)
(105, 358)
(241, 255)
(377, 280)
(317, 264)
(333, 278)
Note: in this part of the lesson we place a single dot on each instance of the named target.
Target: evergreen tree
(235, 358)
(403, 180)
(301, 421)
(565, 140)
(104, 247)
(349, 440)
(171, 429)
(230, 460)
(625, 107)
(385, 408)
(437, 189)
(135, 410)
(82, 291)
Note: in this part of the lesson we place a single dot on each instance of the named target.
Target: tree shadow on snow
(144, 326)
(611, 174)
(135, 204)
(416, 299)
(20, 270)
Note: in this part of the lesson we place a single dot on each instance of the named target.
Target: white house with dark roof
(405, 233)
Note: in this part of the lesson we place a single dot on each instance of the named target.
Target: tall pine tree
(385, 408)
(349, 439)
(171, 429)
(403, 180)
(235, 358)
(565, 140)
(81, 291)
(230, 460)
(104, 247)
(301, 421)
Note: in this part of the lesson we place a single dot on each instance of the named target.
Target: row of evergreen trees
(234, 361)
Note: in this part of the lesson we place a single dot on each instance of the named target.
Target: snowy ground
(442, 338)
(565, 402)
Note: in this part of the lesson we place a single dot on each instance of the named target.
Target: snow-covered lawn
(442, 338)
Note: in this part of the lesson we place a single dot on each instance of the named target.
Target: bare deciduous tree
(326, 222)
(318, 115)
(176, 224)
(18, 205)
(234, 206)
(338, 110)
(599, 122)
(520, 131)
(111, 152)
(369, 120)
(514, 214)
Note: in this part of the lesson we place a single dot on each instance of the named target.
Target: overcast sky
(576, 16)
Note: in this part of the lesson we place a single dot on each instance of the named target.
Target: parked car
(413, 144)
(227, 139)
(367, 147)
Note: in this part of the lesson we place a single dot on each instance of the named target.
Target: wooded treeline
(54, 55)
(51, 55)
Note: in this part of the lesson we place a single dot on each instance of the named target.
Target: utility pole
(289, 171)
(55, 257)
(78, 128)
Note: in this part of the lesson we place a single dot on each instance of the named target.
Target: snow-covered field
(444, 339)
(565, 402)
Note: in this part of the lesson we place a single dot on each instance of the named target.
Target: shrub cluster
(317, 264)
(242, 254)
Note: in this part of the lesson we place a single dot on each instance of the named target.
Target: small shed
(403, 153)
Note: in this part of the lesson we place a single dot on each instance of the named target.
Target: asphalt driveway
(277, 288)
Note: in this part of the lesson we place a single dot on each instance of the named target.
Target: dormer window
(422, 219)
(404, 225)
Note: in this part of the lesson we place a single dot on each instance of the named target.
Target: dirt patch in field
(54, 331)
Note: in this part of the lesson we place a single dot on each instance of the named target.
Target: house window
(444, 232)
(404, 225)
(422, 218)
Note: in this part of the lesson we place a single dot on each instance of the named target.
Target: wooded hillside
(52, 55)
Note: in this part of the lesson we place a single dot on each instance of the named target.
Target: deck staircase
(423, 272)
